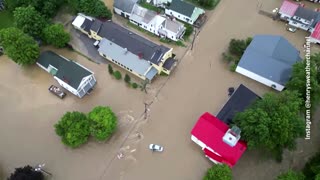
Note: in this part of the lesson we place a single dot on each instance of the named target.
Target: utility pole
(144, 86)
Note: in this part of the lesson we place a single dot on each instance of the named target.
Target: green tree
(299, 75)
(55, 35)
(20, 47)
(103, 122)
(312, 168)
(94, 8)
(291, 175)
(47, 8)
(73, 128)
(29, 21)
(218, 172)
(238, 46)
(272, 123)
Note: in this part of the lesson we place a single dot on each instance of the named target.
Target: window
(187, 19)
(104, 55)
(178, 15)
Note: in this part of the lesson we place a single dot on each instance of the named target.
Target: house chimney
(140, 54)
(125, 50)
(232, 136)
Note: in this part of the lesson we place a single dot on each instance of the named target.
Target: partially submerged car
(155, 147)
(57, 91)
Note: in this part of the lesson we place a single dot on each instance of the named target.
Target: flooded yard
(198, 84)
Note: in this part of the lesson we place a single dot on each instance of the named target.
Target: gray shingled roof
(124, 57)
(68, 70)
(125, 5)
(241, 99)
(271, 57)
(306, 13)
(182, 7)
(133, 42)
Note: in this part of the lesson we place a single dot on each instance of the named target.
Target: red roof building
(287, 9)
(219, 143)
(315, 35)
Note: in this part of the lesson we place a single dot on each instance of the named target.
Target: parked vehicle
(57, 91)
(155, 147)
(291, 29)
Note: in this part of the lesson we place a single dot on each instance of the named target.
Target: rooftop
(270, 56)
(125, 57)
(125, 5)
(210, 130)
(133, 42)
(288, 7)
(316, 32)
(182, 7)
(306, 13)
(67, 70)
(238, 102)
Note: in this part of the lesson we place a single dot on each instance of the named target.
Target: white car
(154, 147)
(291, 29)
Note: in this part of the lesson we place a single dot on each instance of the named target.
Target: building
(315, 35)
(287, 9)
(126, 49)
(184, 11)
(241, 99)
(269, 60)
(219, 143)
(304, 18)
(70, 75)
(124, 7)
(159, 3)
(157, 24)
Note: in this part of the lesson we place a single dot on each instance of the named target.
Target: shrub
(117, 75)
(127, 78)
(189, 31)
(218, 172)
(291, 175)
(233, 67)
(110, 69)
(134, 85)
(73, 128)
(103, 122)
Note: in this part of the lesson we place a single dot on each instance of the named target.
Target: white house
(156, 24)
(159, 3)
(287, 9)
(184, 11)
(70, 75)
(269, 60)
(124, 7)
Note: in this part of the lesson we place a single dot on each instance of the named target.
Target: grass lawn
(6, 19)
(212, 5)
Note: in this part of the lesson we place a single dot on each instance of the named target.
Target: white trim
(259, 78)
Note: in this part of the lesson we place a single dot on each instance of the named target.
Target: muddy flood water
(198, 84)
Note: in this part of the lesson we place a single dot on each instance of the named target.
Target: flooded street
(199, 84)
